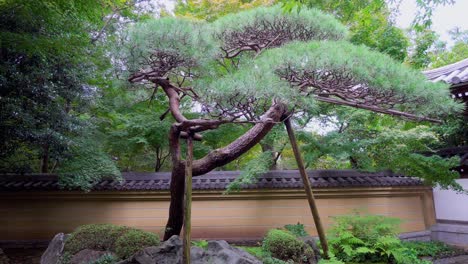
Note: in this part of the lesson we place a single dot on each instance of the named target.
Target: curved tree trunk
(214, 159)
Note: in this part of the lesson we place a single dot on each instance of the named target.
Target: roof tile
(218, 180)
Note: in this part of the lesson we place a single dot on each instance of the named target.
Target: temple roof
(455, 73)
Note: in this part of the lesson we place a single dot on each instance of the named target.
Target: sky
(444, 17)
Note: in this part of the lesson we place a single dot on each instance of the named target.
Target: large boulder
(170, 252)
(54, 250)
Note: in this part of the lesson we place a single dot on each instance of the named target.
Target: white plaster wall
(452, 206)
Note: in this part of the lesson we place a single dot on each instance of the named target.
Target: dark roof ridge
(218, 180)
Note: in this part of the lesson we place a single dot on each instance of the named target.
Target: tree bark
(212, 160)
(267, 147)
(45, 159)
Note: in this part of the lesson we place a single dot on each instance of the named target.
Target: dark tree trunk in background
(45, 159)
(268, 147)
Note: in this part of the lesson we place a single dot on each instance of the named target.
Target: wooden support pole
(188, 201)
(308, 188)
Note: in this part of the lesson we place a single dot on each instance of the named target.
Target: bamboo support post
(188, 201)
(308, 188)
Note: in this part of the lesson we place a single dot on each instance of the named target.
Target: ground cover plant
(123, 241)
(433, 249)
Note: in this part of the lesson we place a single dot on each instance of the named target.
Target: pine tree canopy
(239, 64)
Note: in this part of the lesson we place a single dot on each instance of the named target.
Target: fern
(369, 238)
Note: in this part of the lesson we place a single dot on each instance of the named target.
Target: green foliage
(260, 78)
(442, 55)
(253, 169)
(106, 259)
(132, 131)
(321, 26)
(285, 246)
(174, 37)
(96, 236)
(368, 238)
(370, 142)
(133, 241)
(86, 165)
(200, 243)
(264, 256)
(122, 240)
(210, 10)
(435, 249)
(332, 260)
(423, 41)
(370, 23)
(298, 230)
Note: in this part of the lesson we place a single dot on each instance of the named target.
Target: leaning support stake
(188, 201)
(308, 188)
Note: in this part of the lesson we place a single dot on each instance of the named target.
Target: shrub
(96, 236)
(369, 238)
(285, 246)
(133, 241)
(122, 240)
(298, 230)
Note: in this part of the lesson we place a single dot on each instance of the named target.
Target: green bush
(122, 240)
(369, 238)
(133, 241)
(285, 246)
(298, 230)
(96, 236)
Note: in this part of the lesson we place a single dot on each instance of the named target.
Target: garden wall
(248, 214)
(452, 216)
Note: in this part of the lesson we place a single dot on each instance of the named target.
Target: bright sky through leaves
(444, 18)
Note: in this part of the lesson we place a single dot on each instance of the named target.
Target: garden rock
(312, 243)
(170, 252)
(86, 256)
(220, 252)
(54, 250)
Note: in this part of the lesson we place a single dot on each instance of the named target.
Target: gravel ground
(463, 259)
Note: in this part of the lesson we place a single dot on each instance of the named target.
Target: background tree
(210, 10)
(241, 69)
(53, 65)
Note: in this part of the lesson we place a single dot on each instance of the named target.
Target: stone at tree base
(220, 252)
(3, 258)
(312, 242)
(54, 250)
(87, 256)
(170, 252)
